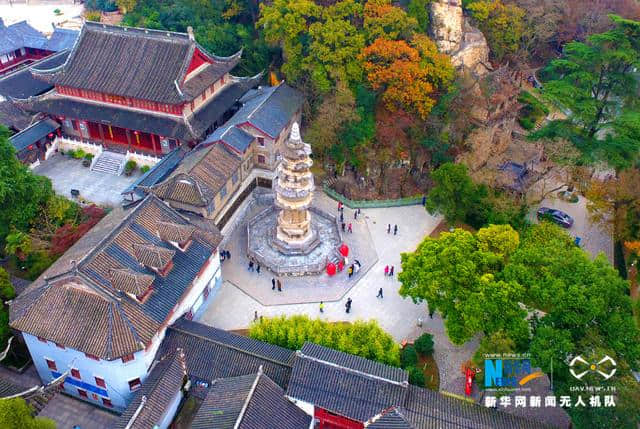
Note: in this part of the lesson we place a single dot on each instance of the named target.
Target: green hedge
(372, 204)
(532, 110)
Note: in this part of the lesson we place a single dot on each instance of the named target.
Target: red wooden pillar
(153, 142)
(128, 139)
(101, 132)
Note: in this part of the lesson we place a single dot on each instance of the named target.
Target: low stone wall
(142, 159)
(66, 144)
(372, 204)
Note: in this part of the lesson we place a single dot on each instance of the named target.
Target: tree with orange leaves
(410, 75)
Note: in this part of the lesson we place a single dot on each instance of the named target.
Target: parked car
(557, 216)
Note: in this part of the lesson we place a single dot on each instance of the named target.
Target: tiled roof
(137, 63)
(199, 177)
(178, 233)
(152, 256)
(426, 409)
(61, 39)
(8, 388)
(269, 109)
(136, 119)
(213, 353)
(158, 172)
(162, 385)
(248, 402)
(13, 116)
(79, 304)
(342, 390)
(391, 419)
(20, 35)
(21, 83)
(32, 134)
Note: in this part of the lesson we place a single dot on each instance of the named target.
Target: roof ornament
(190, 33)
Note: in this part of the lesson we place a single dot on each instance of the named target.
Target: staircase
(109, 162)
(38, 402)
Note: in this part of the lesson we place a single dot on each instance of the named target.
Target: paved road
(232, 308)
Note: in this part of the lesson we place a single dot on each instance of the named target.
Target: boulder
(447, 25)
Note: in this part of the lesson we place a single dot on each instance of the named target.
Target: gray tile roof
(237, 138)
(21, 83)
(32, 134)
(268, 108)
(248, 402)
(12, 116)
(76, 304)
(20, 35)
(138, 63)
(213, 353)
(391, 419)
(62, 39)
(162, 385)
(343, 386)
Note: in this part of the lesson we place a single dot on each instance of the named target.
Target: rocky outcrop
(455, 36)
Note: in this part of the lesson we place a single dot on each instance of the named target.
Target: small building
(21, 44)
(140, 90)
(31, 143)
(101, 311)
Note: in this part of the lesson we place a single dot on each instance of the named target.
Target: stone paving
(100, 188)
(233, 307)
(69, 412)
(298, 289)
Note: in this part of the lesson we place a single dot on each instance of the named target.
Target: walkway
(234, 309)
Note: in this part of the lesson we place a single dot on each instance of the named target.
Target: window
(51, 364)
(107, 402)
(42, 340)
(60, 346)
(261, 159)
(90, 356)
(100, 382)
(261, 141)
(134, 384)
(223, 191)
(83, 393)
(127, 358)
(75, 373)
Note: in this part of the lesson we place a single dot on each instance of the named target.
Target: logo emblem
(586, 367)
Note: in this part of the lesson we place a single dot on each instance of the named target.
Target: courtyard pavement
(233, 308)
(100, 188)
(69, 412)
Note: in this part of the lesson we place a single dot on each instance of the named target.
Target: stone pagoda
(293, 189)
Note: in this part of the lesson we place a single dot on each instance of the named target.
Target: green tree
(424, 344)
(593, 82)
(18, 244)
(458, 280)
(7, 291)
(502, 24)
(454, 194)
(23, 195)
(502, 240)
(382, 19)
(15, 413)
(419, 10)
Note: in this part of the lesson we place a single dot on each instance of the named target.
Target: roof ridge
(300, 354)
(136, 30)
(177, 329)
(248, 399)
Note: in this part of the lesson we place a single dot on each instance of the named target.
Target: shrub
(424, 344)
(130, 165)
(526, 123)
(408, 356)
(144, 169)
(88, 156)
(78, 154)
(93, 15)
(365, 339)
(416, 376)
(57, 11)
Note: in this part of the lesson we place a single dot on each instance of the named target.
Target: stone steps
(109, 162)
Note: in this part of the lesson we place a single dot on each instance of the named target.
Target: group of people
(254, 266)
(347, 227)
(395, 229)
(224, 255)
(354, 268)
(276, 283)
(388, 270)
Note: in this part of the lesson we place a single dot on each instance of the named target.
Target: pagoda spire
(294, 192)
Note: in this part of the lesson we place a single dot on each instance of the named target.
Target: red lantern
(50, 135)
(331, 268)
(30, 147)
(136, 132)
(340, 265)
(344, 250)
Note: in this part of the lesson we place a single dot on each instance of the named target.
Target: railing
(372, 204)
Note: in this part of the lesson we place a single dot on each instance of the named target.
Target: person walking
(424, 200)
(279, 286)
(391, 271)
(321, 307)
(430, 314)
(273, 283)
(258, 268)
(348, 305)
(355, 215)
(379, 295)
(350, 229)
(342, 217)
(343, 225)
(250, 264)
(339, 205)
(386, 270)
(350, 271)
(227, 254)
(255, 316)
(388, 228)
(395, 230)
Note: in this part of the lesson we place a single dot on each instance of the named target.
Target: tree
(454, 194)
(7, 291)
(383, 20)
(594, 84)
(18, 244)
(419, 10)
(458, 280)
(15, 413)
(424, 344)
(23, 195)
(502, 24)
(126, 5)
(502, 240)
(410, 75)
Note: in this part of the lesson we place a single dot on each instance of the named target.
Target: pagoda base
(309, 257)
